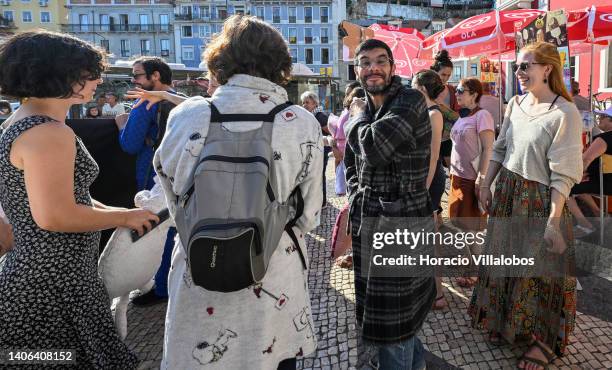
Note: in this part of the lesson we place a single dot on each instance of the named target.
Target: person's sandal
(345, 262)
(582, 232)
(440, 303)
(550, 356)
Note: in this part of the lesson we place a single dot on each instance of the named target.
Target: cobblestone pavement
(447, 334)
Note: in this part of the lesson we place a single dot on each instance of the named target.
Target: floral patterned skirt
(518, 307)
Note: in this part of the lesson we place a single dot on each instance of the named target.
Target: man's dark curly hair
(42, 64)
(249, 46)
(156, 64)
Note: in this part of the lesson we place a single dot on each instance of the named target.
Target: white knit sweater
(545, 147)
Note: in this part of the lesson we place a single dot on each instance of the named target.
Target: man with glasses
(387, 162)
(141, 135)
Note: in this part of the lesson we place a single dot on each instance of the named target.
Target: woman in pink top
(472, 137)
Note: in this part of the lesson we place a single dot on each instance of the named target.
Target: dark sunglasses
(136, 75)
(522, 66)
(461, 90)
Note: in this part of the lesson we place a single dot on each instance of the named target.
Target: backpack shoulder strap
(216, 116)
(296, 195)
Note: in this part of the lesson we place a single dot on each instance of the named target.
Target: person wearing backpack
(141, 135)
(226, 162)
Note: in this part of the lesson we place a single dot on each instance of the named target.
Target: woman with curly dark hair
(50, 294)
(268, 324)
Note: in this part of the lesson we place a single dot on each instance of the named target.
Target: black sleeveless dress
(50, 294)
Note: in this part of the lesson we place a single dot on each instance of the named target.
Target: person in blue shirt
(138, 135)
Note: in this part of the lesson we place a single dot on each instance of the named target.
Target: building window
(104, 22)
(205, 31)
(45, 17)
(259, 11)
(324, 35)
(324, 14)
(186, 12)
(8, 16)
(164, 46)
(292, 14)
(309, 56)
(457, 73)
(125, 48)
(26, 17)
(221, 12)
(308, 35)
(474, 70)
(294, 55)
(205, 12)
(324, 56)
(84, 22)
(187, 31)
(145, 47)
(239, 9)
(606, 70)
(188, 53)
(307, 14)
(276, 18)
(293, 35)
(437, 26)
(105, 44)
(164, 22)
(144, 22)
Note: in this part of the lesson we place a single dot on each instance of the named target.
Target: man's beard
(148, 87)
(376, 89)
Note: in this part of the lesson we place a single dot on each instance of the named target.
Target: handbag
(341, 240)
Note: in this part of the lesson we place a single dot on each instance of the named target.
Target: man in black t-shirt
(310, 101)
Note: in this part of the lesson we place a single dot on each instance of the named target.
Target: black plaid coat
(387, 160)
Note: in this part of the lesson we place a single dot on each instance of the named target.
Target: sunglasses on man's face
(522, 66)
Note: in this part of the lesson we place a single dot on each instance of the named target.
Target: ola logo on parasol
(522, 15)
(399, 63)
(475, 22)
(606, 17)
(418, 63)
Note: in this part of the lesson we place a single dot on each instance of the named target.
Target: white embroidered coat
(244, 329)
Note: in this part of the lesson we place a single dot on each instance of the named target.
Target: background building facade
(125, 28)
(196, 22)
(25, 15)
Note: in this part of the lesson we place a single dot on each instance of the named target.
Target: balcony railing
(324, 40)
(7, 24)
(292, 19)
(183, 17)
(84, 28)
(308, 39)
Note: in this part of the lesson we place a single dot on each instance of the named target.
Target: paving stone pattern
(447, 334)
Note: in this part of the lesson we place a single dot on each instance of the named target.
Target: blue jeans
(406, 355)
(161, 277)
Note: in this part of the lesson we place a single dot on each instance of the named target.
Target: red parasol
(405, 44)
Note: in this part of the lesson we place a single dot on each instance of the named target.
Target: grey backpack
(229, 220)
